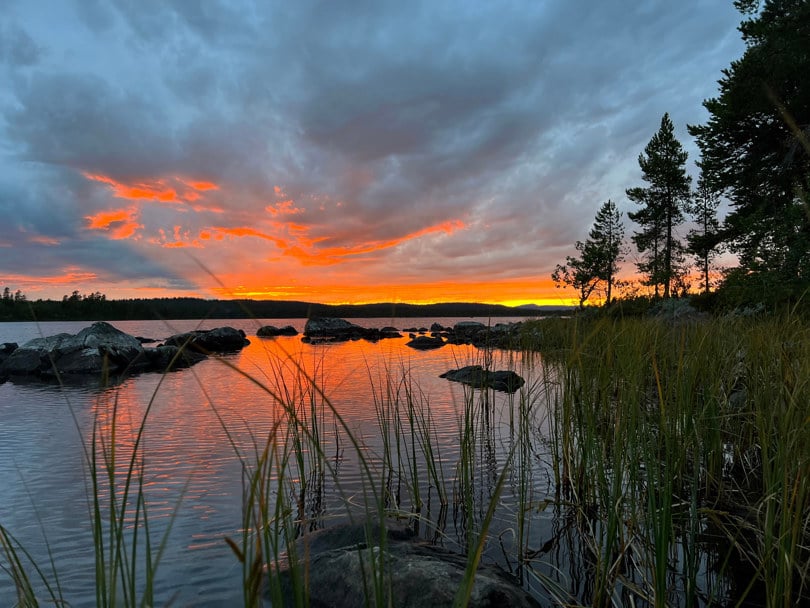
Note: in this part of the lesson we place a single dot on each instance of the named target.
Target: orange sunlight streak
(333, 255)
(165, 190)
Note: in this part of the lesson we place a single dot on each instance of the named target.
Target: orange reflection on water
(202, 424)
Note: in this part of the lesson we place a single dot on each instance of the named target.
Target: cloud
(323, 133)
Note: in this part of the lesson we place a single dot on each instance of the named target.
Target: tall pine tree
(663, 167)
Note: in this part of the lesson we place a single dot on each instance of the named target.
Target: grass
(647, 463)
(667, 434)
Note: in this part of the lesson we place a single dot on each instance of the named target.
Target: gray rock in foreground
(420, 574)
(478, 377)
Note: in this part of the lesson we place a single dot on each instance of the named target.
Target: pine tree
(755, 147)
(703, 241)
(600, 256)
(663, 167)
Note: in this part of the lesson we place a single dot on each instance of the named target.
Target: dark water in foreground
(191, 466)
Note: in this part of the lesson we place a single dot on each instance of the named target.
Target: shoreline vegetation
(676, 455)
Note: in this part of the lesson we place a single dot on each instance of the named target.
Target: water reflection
(193, 436)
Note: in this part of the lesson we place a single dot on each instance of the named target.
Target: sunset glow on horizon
(340, 160)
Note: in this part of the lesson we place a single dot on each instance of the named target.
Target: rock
(218, 340)
(437, 328)
(95, 349)
(102, 350)
(331, 329)
(6, 348)
(478, 377)
(168, 358)
(425, 343)
(417, 574)
(468, 328)
(390, 332)
(270, 331)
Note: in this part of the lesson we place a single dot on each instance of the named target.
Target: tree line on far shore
(15, 306)
(755, 154)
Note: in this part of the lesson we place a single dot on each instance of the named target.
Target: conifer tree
(663, 167)
(703, 241)
(601, 254)
(755, 147)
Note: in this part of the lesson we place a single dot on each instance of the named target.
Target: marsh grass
(665, 434)
(648, 463)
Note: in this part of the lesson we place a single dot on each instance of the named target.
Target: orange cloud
(243, 231)
(333, 255)
(165, 190)
(70, 276)
(284, 208)
(120, 223)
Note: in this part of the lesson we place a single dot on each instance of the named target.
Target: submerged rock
(338, 564)
(478, 377)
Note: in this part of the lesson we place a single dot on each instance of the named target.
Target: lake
(203, 418)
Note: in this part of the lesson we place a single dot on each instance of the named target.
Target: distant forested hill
(98, 308)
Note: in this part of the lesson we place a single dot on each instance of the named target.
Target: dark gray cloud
(379, 119)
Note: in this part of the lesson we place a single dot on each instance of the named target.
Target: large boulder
(478, 377)
(338, 564)
(101, 349)
(218, 340)
(95, 349)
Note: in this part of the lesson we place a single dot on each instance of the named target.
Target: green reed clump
(662, 431)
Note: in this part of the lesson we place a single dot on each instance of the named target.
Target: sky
(359, 151)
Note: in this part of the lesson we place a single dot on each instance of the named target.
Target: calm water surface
(191, 466)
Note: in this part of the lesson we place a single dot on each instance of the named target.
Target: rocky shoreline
(320, 330)
(102, 351)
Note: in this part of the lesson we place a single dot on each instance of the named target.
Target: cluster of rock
(500, 335)
(337, 561)
(331, 329)
(101, 349)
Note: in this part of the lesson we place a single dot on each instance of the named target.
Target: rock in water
(100, 347)
(271, 331)
(338, 565)
(425, 343)
(478, 377)
(218, 340)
